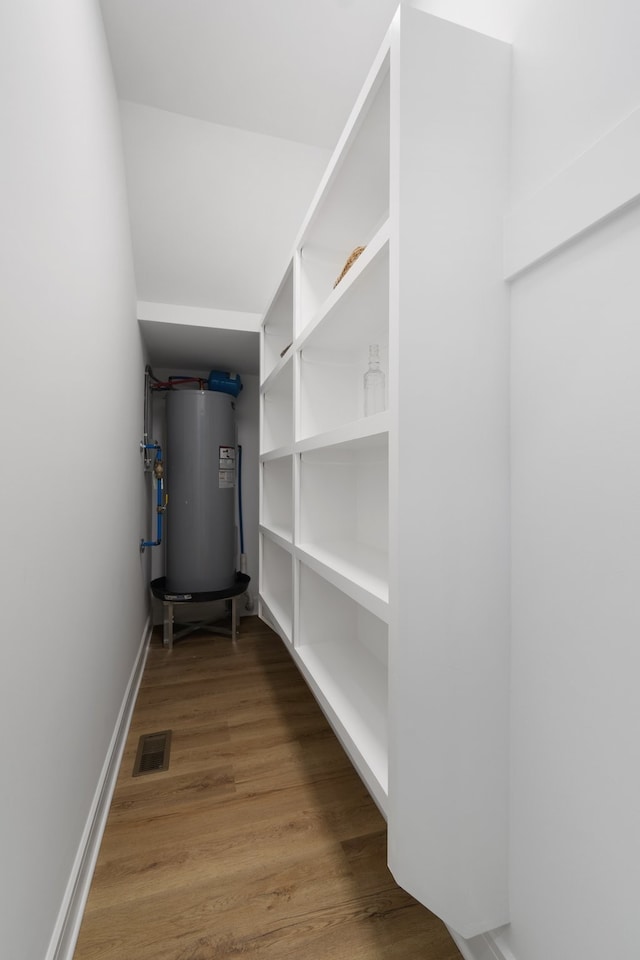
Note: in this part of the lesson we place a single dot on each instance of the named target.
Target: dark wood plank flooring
(259, 840)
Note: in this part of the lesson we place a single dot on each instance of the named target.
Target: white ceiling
(286, 68)
(174, 346)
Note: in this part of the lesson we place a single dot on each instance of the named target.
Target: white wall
(575, 841)
(576, 74)
(71, 482)
(214, 209)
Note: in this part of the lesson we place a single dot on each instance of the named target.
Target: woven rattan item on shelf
(351, 259)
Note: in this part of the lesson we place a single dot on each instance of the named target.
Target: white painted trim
(67, 928)
(484, 947)
(199, 316)
(597, 185)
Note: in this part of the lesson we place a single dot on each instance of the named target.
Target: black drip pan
(235, 588)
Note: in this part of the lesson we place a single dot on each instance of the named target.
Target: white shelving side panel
(334, 355)
(277, 326)
(276, 583)
(276, 406)
(449, 479)
(342, 651)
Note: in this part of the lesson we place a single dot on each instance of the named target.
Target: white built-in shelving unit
(384, 562)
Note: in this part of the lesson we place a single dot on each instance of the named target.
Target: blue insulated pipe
(240, 520)
(158, 471)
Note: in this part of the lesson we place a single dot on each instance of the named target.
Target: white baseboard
(67, 928)
(488, 946)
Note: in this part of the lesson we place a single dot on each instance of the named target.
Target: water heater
(201, 479)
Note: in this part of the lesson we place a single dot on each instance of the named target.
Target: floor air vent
(153, 753)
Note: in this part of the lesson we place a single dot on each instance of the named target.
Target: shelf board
(352, 691)
(376, 76)
(378, 424)
(276, 453)
(377, 246)
(275, 372)
(279, 535)
(280, 289)
(276, 618)
(358, 571)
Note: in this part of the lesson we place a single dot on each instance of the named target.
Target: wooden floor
(259, 840)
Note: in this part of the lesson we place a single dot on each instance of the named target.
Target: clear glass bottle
(374, 384)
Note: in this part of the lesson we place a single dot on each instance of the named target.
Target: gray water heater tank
(200, 463)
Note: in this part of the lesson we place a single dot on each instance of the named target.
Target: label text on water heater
(227, 468)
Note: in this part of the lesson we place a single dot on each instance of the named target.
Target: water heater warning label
(227, 468)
